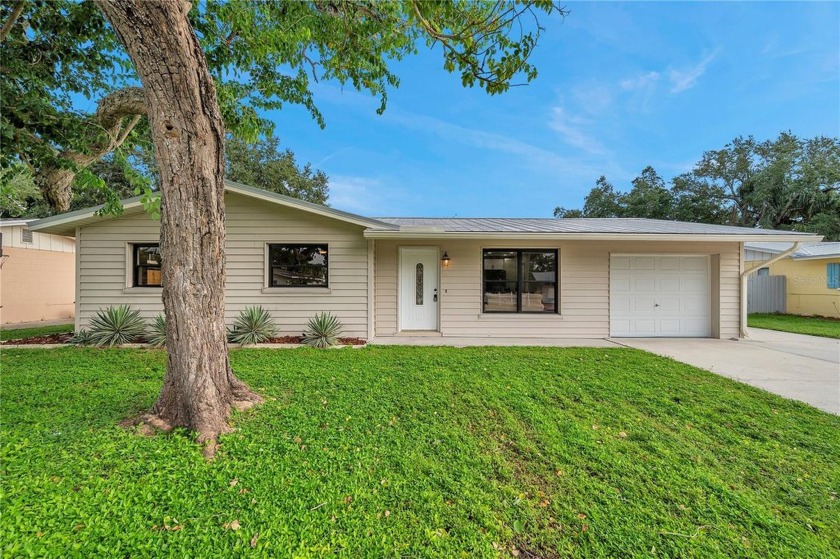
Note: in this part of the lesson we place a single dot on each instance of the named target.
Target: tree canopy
(788, 183)
(261, 55)
(261, 164)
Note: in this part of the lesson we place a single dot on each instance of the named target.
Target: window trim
(135, 266)
(520, 281)
(289, 288)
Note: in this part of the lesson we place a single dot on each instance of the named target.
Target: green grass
(20, 333)
(418, 452)
(811, 325)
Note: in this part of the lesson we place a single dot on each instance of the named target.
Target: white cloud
(356, 194)
(686, 79)
(593, 98)
(570, 128)
(540, 157)
(641, 81)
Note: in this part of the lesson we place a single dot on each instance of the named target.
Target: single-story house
(37, 274)
(451, 277)
(812, 273)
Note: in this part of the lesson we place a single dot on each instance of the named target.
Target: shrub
(82, 337)
(252, 326)
(116, 325)
(157, 334)
(323, 331)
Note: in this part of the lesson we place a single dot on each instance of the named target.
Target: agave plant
(323, 331)
(252, 326)
(82, 337)
(157, 333)
(116, 325)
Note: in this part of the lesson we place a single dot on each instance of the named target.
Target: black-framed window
(520, 281)
(146, 267)
(298, 265)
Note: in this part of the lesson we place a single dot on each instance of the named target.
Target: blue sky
(621, 86)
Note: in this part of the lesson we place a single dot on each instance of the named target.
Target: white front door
(659, 295)
(418, 288)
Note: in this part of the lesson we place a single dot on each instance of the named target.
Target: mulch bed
(65, 338)
(299, 340)
(42, 340)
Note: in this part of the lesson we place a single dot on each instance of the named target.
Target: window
(298, 266)
(520, 281)
(25, 236)
(763, 272)
(833, 273)
(147, 265)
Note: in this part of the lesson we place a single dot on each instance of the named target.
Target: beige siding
(584, 288)
(105, 258)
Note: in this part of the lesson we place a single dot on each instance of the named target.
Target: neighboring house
(531, 278)
(37, 274)
(812, 274)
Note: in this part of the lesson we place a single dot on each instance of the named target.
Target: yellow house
(812, 275)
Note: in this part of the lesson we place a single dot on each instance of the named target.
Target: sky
(620, 86)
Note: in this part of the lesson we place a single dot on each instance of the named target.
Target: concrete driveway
(804, 368)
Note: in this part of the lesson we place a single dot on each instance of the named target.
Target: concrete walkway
(804, 368)
(451, 341)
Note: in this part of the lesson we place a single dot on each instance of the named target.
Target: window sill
(296, 291)
(156, 291)
(512, 315)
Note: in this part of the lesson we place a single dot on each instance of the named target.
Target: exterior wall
(37, 280)
(105, 259)
(584, 288)
(807, 286)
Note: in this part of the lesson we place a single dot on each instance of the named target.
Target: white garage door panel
(660, 296)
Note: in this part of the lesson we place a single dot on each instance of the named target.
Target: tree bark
(199, 387)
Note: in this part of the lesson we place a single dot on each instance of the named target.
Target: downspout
(745, 274)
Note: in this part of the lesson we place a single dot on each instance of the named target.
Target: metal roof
(576, 225)
(806, 250)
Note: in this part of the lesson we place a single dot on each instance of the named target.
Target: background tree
(649, 197)
(786, 183)
(201, 70)
(262, 164)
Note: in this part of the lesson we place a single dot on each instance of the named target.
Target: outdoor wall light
(445, 260)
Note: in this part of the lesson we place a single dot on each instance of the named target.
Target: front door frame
(400, 280)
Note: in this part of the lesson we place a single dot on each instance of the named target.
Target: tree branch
(13, 17)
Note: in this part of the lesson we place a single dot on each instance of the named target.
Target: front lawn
(811, 325)
(418, 452)
(7, 333)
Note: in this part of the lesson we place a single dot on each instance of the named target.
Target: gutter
(746, 273)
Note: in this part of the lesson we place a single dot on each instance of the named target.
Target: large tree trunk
(199, 387)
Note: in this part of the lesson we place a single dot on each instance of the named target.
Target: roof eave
(816, 257)
(66, 223)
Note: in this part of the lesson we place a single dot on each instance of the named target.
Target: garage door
(655, 295)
